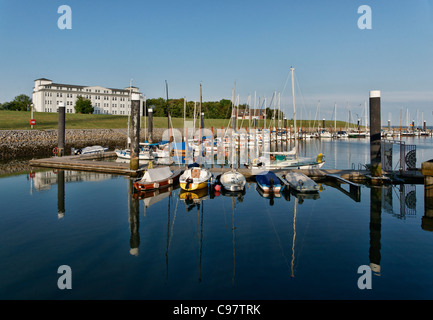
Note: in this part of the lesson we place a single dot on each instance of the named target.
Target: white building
(48, 95)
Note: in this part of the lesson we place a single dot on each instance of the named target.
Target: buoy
(55, 150)
(217, 187)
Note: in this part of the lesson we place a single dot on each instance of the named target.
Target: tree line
(21, 102)
(212, 109)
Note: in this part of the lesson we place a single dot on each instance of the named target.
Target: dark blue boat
(269, 182)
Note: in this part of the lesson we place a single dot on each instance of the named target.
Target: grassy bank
(20, 120)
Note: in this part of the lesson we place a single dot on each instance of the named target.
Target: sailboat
(144, 154)
(195, 177)
(233, 180)
(288, 160)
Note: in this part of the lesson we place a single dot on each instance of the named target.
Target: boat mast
(168, 111)
(294, 111)
(335, 118)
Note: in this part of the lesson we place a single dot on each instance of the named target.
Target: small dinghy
(269, 182)
(233, 181)
(157, 179)
(195, 178)
(298, 182)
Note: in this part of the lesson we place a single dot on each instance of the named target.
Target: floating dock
(99, 162)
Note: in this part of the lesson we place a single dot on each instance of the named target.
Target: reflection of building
(48, 95)
(44, 180)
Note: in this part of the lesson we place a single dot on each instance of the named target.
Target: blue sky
(219, 42)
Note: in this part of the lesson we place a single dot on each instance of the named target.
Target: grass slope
(20, 120)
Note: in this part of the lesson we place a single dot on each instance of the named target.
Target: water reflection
(198, 241)
(134, 221)
(60, 194)
(375, 228)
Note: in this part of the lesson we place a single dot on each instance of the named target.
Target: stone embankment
(16, 144)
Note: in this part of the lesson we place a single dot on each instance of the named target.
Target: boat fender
(188, 183)
(217, 187)
(319, 158)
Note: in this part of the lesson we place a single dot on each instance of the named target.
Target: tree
(21, 102)
(83, 105)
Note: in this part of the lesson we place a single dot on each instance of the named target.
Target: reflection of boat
(153, 196)
(89, 150)
(195, 178)
(233, 181)
(298, 182)
(268, 182)
(265, 194)
(193, 198)
(157, 178)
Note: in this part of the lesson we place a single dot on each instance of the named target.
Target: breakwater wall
(16, 144)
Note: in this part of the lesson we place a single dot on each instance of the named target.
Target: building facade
(48, 95)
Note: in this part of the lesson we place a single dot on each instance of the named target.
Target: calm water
(220, 247)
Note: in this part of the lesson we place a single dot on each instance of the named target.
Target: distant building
(48, 95)
(249, 114)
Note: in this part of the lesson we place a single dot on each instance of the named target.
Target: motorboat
(89, 150)
(194, 178)
(233, 180)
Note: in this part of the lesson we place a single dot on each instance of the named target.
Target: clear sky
(218, 42)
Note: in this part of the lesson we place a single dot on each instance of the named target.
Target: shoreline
(20, 144)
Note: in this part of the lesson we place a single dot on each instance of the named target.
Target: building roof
(43, 79)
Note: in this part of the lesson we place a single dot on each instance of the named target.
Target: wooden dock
(88, 162)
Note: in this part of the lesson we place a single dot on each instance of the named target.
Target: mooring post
(134, 133)
(427, 172)
(375, 134)
(61, 131)
(150, 124)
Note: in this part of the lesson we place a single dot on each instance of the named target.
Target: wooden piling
(61, 130)
(150, 124)
(134, 133)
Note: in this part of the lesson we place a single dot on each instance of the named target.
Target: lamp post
(31, 115)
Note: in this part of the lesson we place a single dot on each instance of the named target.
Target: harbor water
(170, 246)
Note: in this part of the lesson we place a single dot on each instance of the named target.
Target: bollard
(61, 130)
(375, 134)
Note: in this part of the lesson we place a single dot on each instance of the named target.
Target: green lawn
(20, 120)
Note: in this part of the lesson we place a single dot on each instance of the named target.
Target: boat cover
(157, 174)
